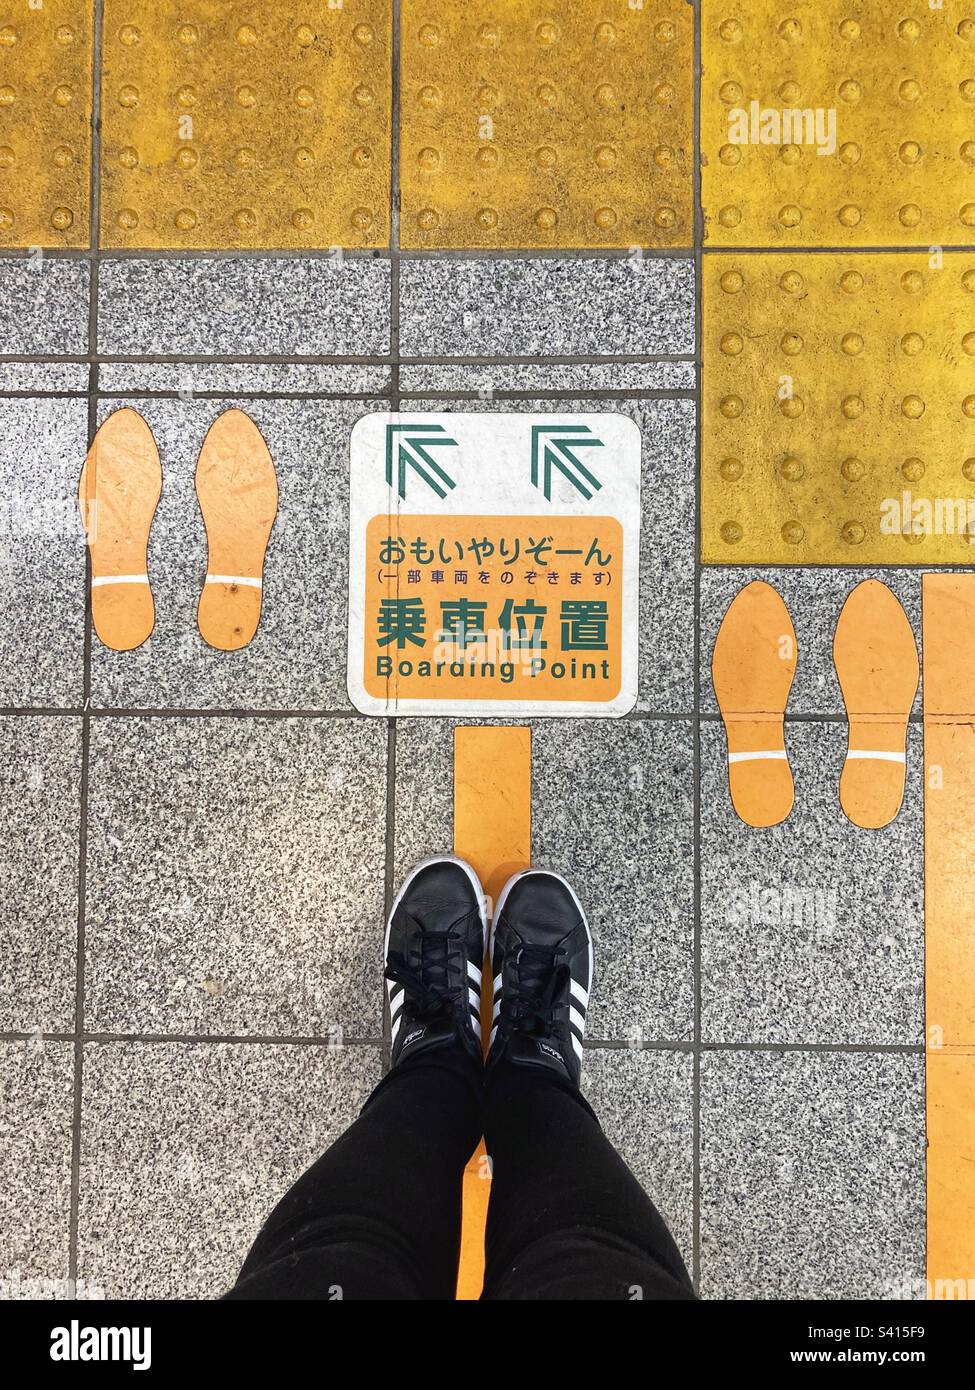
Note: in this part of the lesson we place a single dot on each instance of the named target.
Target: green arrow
(413, 452)
(557, 452)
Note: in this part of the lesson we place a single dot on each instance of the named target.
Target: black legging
(378, 1216)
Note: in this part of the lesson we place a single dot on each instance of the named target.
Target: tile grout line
(79, 1021)
(696, 727)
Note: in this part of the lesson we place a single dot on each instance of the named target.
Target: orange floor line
(949, 894)
(492, 831)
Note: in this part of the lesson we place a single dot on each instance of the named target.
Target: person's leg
(378, 1216)
(567, 1218)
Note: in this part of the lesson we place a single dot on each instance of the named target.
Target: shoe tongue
(526, 1050)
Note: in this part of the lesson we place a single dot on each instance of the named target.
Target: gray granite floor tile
(613, 812)
(644, 1102)
(40, 811)
(487, 379)
(812, 1175)
(36, 1107)
(190, 379)
(295, 306)
(607, 306)
(187, 1147)
(42, 572)
(811, 931)
(44, 376)
(814, 598)
(235, 876)
(297, 659)
(667, 544)
(612, 806)
(44, 306)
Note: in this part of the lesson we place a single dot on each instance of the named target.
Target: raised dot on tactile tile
(8, 159)
(302, 219)
(732, 407)
(129, 34)
(604, 34)
(245, 158)
(185, 219)
(850, 152)
(911, 344)
(487, 219)
(246, 34)
(909, 215)
(188, 34)
(909, 30)
(731, 533)
(968, 344)
(850, 92)
(427, 219)
(732, 344)
(362, 157)
(909, 90)
(912, 282)
(487, 96)
(429, 158)
(791, 282)
(968, 406)
(790, 215)
(909, 152)
(487, 158)
(304, 158)
(546, 95)
(605, 95)
(63, 156)
(605, 157)
(304, 36)
(852, 344)
(665, 32)
(966, 30)
(790, 30)
(731, 281)
(730, 469)
(790, 93)
(545, 157)
(64, 35)
(489, 36)
(851, 282)
(245, 219)
(791, 469)
(791, 344)
(852, 469)
(730, 93)
(429, 35)
(852, 533)
(305, 97)
(128, 219)
(968, 469)
(789, 154)
(849, 30)
(361, 219)
(849, 215)
(245, 96)
(664, 93)
(913, 469)
(966, 89)
(363, 35)
(63, 96)
(730, 30)
(606, 218)
(912, 407)
(792, 407)
(729, 215)
(186, 96)
(852, 407)
(6, 218)
(546, 34)
(967, 151)
(61, 219)
(792, 533)
(546, 219)
(128, 157)
(128, 96)
(8, 36)
(968, 281)
(665, 218)
(967, 215)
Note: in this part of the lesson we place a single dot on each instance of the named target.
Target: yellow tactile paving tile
(45, 123)
(526, 124)
(838, 408)
(493, 832)
(886, 90)
(948, 628)
(245, 126)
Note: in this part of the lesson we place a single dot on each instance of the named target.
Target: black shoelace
(427, 991)
(541, 984)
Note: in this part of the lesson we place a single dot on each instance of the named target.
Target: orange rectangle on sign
(493, 608)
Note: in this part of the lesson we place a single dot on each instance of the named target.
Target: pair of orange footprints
(121, 483)
(876, 662)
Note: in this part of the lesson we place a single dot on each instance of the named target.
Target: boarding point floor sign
(494, 564)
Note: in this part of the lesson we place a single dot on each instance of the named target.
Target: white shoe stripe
(497, 1008)
(395, 1030)
(473, 973)
(581, 994)
(474, 1000)
(577, 1045)
(577, 1020)
(396, 1000)
(494, 1033)
(476, 1024)
(497, 984)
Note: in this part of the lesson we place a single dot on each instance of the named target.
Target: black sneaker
(541, 960)
(435, 946)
